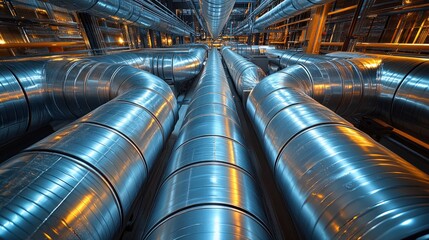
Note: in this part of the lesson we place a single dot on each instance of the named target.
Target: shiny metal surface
(94, 167)
(244, 73)
(285, 9)
(216, 13)
(208, 189)
(208, 222)
(15, 115)
(130, 12)
(49, 195)
(286, 58)
(410, 106)
(175, 66)
(347, 86)
(336, 180)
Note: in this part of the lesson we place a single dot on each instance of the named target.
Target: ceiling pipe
(128, 11)
(283, 10)
(80, 182)
(208, 189)
(245, 74)
(216, 14)
(336, 180)
(245, 23)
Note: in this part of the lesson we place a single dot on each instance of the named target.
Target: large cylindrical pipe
(128, 11)
(81, 181)
(216, 13)
(173, 65)
(283, 10)
(288, 58)
(244, 73)
(336, 180)
(346, 86)
(208, 189)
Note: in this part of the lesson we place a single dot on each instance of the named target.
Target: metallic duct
(129, 11)
(208, 190)
(216, 13)
(174, 65)
(32, 94)
(392, 88)
(288, 58)
(80, 182)
(347, 86)
(244, 73)
(283, 10)
(245, 23)
(336, 180)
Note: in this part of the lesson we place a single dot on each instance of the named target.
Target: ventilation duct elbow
(81, 181)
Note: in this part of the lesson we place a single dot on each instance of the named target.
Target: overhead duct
(283, 10)
(174, 65)
(244, 73)
(336, 180)
(129, 11)
(208, 190)
(262, 6)
(216, 13)
(80, 182)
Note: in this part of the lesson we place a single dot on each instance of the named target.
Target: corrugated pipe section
(244, 73)
(337, 182)
(346, 86)
(29, 90)
(392, 88)
(128, 11)
(216, 13)
(80, 182)
(283, 10)
(174, 65)
(209, 190)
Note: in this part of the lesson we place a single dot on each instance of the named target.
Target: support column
(93, 33)
(158, 39)
(256, 39)
(152, 38)
(315, 28)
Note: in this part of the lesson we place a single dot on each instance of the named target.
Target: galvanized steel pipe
(336, 180)
(208, 190)
(244, 73)
(129, 11)
(285, 9)
(286, 58)
(80, 182)
(175, 65)
(216, 13)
